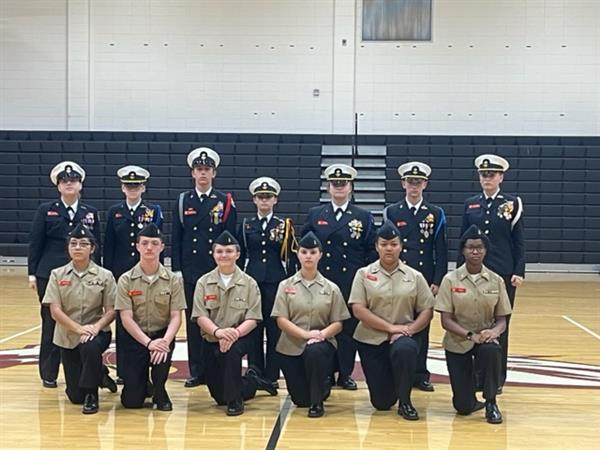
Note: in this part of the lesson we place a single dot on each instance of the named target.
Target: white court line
(587, 330)
(6, 339)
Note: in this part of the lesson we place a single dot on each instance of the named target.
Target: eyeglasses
(473, 248)
(75, 244)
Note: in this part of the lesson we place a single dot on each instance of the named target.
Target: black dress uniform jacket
(348, 244)
(49, 230)
(502, 222)
(424, 242)
(261, 249)
(122, 229)
(196, 225)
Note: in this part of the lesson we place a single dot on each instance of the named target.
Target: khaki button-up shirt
(395, 297)
(226, 306)
(151, 300)
(475, 305)
(82, 297)
(310, 306)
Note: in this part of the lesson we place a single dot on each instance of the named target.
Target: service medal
(356, 228)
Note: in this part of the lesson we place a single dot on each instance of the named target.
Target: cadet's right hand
(32, 284)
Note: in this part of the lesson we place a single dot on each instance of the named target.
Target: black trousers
(224, 372)
(269, 368)
(135, 368)
(83, 367)
(346, 352)
(461, 370)
(49, 358)
(195, 343)
(422, 373)
(119, 335)
(306, 375)
(503, 339)
(390, 370)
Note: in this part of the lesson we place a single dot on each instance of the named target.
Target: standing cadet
(424, 243)
(52, 223)
(499, 216)
(125, 220)
(149, 299)
(393, 303)
(347, 234)
(200, 216)
(267, 246)
(474, 306)
(227, 309)
(310, 310)
(81, 297)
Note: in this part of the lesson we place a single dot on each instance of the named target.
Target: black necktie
(131, 211)
(338, 213)
(263, 223)
(413, 210)
(489, 201)
(203, 197)
(71, 212)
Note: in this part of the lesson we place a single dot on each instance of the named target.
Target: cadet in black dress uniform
(347, 234)
(310, 310)
(227, 308)
(199, 217)
(474, 307)
(393, 303)
(125, 220)
(268, 246)
(81, 297)
(52, 223)
(500, 217)
(424, 243)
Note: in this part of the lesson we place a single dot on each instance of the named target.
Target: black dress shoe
(108, 383)
(275, 384)
(425, 386)
(120, 381)
(261, 383)
(163, 404)
(347, 383)
(492, 413)
(316, 410)
(407, 411)
(193, 382)
(50, 384)
(499, 390)
(90, 404)
(235, 408)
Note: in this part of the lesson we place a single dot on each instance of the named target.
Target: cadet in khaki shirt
(150, 299)
(309, 309)
(474, 305)
(81, 296)
(227, 308)
(393, 303)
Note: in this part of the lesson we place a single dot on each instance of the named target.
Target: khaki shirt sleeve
(254, 311)
(358, 293)
(199, 307)
(339, 310)
(443, 300)
(52, 294)
(123, 301)
(281, 307)
(503, 306)
(110, 291)
(425, 298)
(177, 294)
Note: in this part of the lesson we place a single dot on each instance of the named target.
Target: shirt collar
(494, 195)
(134, 207)
(200, 193)
(376, 267)
(463, 273)
(417, 206)
(73, 206)
(137, 272)
(344, 207)
(319, 279)
(214, 277)
(92, 268)
(268, 216)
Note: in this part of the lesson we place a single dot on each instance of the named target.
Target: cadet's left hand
(225, 345)
(434, 289)
(488, 335)
(158, 357)
(516, 280)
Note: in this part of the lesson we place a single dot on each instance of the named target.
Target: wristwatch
(469, 335)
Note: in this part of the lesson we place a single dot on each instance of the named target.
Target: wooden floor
(552, 400)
